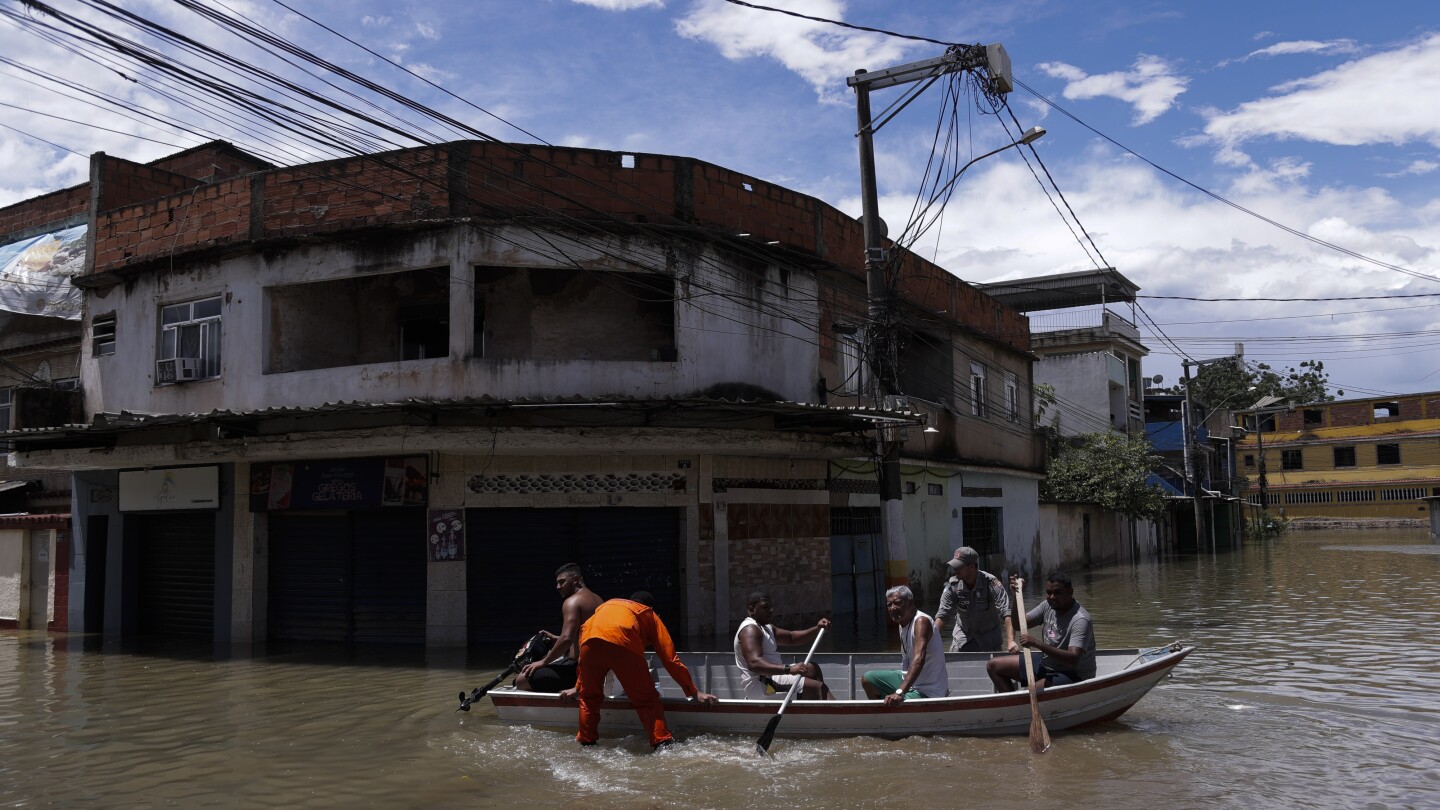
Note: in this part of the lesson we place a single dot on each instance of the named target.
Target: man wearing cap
(978, 604)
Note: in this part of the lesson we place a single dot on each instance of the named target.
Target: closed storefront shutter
(388, 597)
(353, 577)
(176, 553)
(309, 577)
(513, 554)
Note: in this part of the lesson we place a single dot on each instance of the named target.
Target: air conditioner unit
(177, 369)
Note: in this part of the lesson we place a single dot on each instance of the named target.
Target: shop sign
(175, 488)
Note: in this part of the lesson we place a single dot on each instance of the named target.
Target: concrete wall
(1081, 384)
(1062, 538)
(13, 547)
(730, 327)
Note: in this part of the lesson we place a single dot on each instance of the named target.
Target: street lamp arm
(1030, 136)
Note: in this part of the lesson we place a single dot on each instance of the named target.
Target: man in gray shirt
(977, 602)
(1066, 642)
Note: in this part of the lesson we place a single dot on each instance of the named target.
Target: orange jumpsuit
(614, 639)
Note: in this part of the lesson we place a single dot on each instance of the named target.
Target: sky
(1217, 150)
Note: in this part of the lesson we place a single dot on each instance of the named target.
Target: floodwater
(1316, 684)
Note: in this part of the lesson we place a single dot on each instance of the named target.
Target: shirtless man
(557, 670)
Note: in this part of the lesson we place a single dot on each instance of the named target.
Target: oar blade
(762, 747)
(1039, 735)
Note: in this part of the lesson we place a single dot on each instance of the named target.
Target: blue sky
(1321, 116)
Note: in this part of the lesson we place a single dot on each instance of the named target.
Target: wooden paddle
(763, 746)
(1039, 734)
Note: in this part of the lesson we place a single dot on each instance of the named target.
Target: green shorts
(886, 681)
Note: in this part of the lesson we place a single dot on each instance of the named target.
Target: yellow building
(1366, 458)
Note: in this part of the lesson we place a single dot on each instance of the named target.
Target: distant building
(1359, 458)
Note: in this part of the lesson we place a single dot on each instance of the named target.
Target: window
(1387, 454)
(192, 331)
(981, 530)
(102, 336)
(935, 489)
(1250, 460)
(1344, 457)
(854, 366)
(1012, 397)
(1314, 417)
(424, 330)
(977, 390)
(1387, 410)
(1291, 460)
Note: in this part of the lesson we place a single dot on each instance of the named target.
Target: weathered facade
(382, 398)
(1360, 458)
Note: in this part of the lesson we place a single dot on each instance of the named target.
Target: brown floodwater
(1316, 684)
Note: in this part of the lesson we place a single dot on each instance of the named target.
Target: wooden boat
(973, 708)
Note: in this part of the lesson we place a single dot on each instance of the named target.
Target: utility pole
(1187, 423)
(880, 335)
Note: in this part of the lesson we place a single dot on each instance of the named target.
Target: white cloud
(1150, 86)
(1172, 241)
(1416, 167)
(823, 55)
(622, 5)
(374, 22)
(427, 31)
(1302, 46)
(1365, 101)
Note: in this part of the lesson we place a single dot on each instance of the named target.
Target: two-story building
(1356, 458)
(383, 398)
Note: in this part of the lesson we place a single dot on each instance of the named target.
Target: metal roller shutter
(309, 577)
(177, 573)
(389, 559)
(513, 554)
(356, 577)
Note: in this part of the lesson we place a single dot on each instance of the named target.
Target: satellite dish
(1157, 379)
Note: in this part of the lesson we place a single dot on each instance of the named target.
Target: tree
(1108, 469)
(1228, 383)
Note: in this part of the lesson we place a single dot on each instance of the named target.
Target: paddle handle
(1024, 630)
(795, 687)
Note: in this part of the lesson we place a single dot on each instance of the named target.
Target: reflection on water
(1314, 685)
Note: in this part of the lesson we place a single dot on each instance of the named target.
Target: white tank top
(768, 650)
(933, 680)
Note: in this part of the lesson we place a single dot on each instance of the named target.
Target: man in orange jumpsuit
(614, 639)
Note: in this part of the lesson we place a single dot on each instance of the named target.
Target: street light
(1030, 136)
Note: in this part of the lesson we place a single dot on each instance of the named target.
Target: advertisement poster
(352, 483)
(446, 528)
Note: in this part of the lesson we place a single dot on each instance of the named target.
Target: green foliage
(1044, 394)
(1227, 383)
(1108, 469)
(1266, 526)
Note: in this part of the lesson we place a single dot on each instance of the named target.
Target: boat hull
(977, 713)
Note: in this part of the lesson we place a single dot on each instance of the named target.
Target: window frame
(1394, 447)
(102, 336)
(208, 335)
(1012, 396)
(1291, 460)
(1336, 451)
(850, 350)
(977, 391)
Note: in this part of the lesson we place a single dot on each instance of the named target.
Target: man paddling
(976, 601)
(557, 670)
(757, 654)
(1066, 643)
(922, 660)
(614, 640)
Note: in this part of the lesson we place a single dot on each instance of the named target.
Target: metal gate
(857, 561)
(513, 554)
(176, 584)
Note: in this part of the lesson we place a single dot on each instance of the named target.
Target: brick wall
(124, 182)
(216, 161)
(61, 622)
(783, 549)
(498, 181)
(53, 207)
